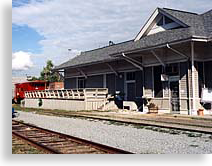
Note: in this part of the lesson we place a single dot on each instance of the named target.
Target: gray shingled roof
(97, 55)
(198, 25)
(207, 21)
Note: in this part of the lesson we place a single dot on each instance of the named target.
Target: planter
(153, 111)
(200, 112)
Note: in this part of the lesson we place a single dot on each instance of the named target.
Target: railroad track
(57, 143)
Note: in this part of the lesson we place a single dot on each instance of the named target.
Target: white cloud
(81, 25)
(21, 60)
(88, 24)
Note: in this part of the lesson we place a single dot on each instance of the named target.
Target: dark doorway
(175, 101)
(131, 91)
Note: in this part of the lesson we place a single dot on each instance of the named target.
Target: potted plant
(200, 112)
(153, 109)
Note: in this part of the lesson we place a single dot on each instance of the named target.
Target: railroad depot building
(166, 65)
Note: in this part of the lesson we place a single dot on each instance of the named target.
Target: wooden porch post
(193, 77)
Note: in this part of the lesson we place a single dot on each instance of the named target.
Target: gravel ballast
(137, 139)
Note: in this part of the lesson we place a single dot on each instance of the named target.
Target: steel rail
(82, 142)
(35, 144)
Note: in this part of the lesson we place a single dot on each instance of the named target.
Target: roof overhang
(194, 38)
(85, 64)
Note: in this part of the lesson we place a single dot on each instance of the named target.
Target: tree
(47, 74)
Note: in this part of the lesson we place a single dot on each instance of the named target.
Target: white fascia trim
(200, 40)
(146, 26)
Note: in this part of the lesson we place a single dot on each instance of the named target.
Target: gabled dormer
(158, 22)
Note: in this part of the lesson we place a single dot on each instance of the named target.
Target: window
(81, 83)
(172, 69)
(164, 20)
(160, 23)
(130, 76)
(200, 67)
(168, 20)
(205, 76)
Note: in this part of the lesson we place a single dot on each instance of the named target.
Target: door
(175, 101)
(131, 91)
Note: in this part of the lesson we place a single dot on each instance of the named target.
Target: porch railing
(76, 94)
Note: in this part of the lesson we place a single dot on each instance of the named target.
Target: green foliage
(47, 74)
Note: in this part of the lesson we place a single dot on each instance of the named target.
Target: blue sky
(46, 29)
(26, 39)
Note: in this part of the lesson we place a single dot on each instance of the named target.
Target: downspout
(188, 85)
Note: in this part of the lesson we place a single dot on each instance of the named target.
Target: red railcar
(20, 88)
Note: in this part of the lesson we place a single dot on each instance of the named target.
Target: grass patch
(63, 113)
(194, 135)
(138, 126)
(194, 146)
(115, 123)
